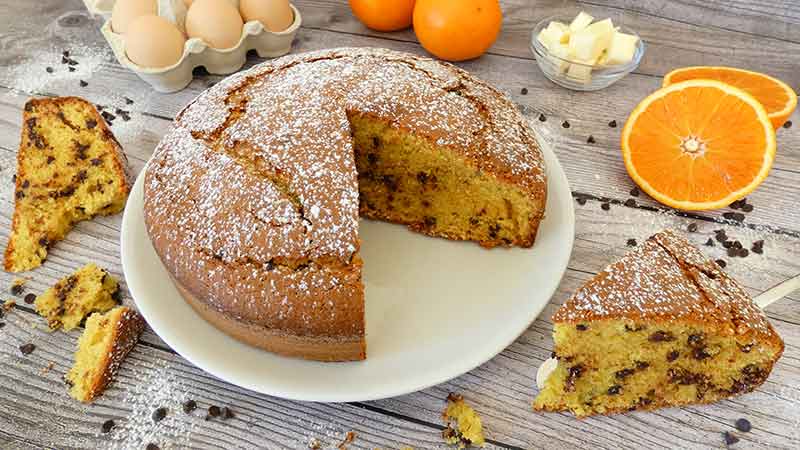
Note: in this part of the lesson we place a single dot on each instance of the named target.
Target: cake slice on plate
(664, 326)
(69, 168)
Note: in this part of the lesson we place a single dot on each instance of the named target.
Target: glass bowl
(601, 76)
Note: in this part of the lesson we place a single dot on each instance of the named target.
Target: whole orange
(456, 30)
(384, 15)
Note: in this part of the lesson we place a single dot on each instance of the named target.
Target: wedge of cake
(102, 347)
(66, 304)
(69, 168)
(664, 326)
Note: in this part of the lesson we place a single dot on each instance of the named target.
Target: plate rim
(553, 169)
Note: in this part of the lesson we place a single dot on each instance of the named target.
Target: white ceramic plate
(428, 301)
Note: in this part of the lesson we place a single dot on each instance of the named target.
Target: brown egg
(275, 15)
(154, 42)
(217, 22)
(188, 3)
(126, 11)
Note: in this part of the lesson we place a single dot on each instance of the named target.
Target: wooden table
(36, 412)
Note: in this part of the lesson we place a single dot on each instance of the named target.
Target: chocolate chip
(614, 390)
(91, 123)
(692, 227)
(736, 217)
(524, 91)
(605, 206)
(128, 101)
(20, 194)
(71, 69)
(720, 236)
(700, 354)
(573, 373)
(727, 244)
(743, 252)
(14, 178)
(96, 161)
(673, 355)
(27, 349)
(83, 83)
(631, 242)
(747, 208)
(2, 324)
(634, 327)
(214, 411)
(661, 336)
(48, 69)
(695, 340)
(431, 222)
(635, 191)
(542, 118)
(743, 425)
(746, 348)
(30, 298)
(152, 446)
(125, 116)
(730, 439)
(65, 53)
(581, 200)
(732, 252)
(565, 124)
(17, 289)
(226, 413)
(641, 365)
(159, 414)
(758, 247)
(44, 242)
(189, 406)
(612, 124)
(630, 203)
(50, 159)
(107, 426)
(590, 140)
(108, 116)
(710, 242)
(623, 373)
(581, 327)
(787, 124)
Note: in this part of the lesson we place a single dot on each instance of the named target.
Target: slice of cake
(69, 168)
(664, 326)
(464, 427)
(102, 347)
(66, 304)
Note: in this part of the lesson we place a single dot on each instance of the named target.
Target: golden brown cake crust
(668, 279)
(33, 142)
(251, 200)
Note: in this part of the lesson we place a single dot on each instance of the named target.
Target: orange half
(778, 98)
(698, 144)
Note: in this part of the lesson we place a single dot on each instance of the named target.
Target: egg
(217, 22)
(126, 11)
(154, 42)
(275, 15)
(188, 3)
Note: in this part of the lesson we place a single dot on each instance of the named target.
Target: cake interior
(71, 299)
(406, 179)
(618, 365)
(65, 175)
(93, 348)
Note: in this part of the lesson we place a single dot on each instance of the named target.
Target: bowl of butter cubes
(585, 54)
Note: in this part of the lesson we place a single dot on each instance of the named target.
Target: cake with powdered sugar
(663, 326)
(252, 200)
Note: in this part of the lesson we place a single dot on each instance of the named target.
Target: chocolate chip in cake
(83, 83)
(565, 124)
(214, 411)
(542, 118)
(692, 227)
(787, 124)
(573, 373)
(523, 91)
(30, 298)
(48, 69)
(730, 439)
(96, 161)
(159, 414)
(614, 390)
(696, 340)
(50, 159)
(431, 222)
(661, 336)
(673, 355)
(623, 373)
(27, 349)
(641, 365)
(700, 354)
(630, 203)
(107, 426)
(189, 406)
(631, 242)
(612, 124)
(605, 206)
(91, 123)
(635, 191)
(721, 263)
(634, 327)
(743, 425)
(590, 140)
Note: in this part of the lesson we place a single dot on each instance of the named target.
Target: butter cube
(621, 49)
(580, 72)
(559, 55)
(581, 21)
(604, 30)
(549, 38)
(560, 30)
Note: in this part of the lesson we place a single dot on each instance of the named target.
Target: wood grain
(36, 412)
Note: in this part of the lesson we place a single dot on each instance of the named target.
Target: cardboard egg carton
(196, 52)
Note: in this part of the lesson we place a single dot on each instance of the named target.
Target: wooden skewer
(777, 292)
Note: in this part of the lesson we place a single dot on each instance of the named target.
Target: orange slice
(777, 97)
(698, 144)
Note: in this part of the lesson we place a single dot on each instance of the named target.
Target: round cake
(252, 200)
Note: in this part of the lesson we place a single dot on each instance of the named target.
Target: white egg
(275, 15)
(126, 11)
(217, 22)
(154, 42)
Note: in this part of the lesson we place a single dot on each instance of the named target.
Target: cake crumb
(8, 304)
(464, 427)
(48, 368)
(348, 439)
